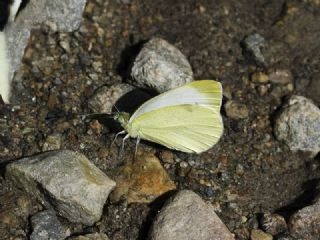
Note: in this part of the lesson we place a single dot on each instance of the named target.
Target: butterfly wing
(4, 69)
(206, 93)
(188, 128)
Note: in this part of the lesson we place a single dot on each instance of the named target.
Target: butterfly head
(122, 118)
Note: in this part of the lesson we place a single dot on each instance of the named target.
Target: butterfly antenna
(116, 108)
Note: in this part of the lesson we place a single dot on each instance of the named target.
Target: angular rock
(66, 180)
(305, 224)
(273, 223)
(298, 125)
(45, 225)
(60, 14)
(160, 66)
(106, 97)
(93, 236)
(142, 181)
(236, 110)
(187, 217)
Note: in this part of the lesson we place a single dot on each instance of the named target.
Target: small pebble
(52, 142)
(236, 110)
(273, 223)
(280, 76)
(257, 234)
(259, 77)
(92, 236)
(252, 45)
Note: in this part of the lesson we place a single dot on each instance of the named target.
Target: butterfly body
(186, 119)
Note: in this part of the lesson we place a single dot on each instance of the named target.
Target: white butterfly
(186, 118)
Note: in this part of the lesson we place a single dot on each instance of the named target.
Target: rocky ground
(261, 179)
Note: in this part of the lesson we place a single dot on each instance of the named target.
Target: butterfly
(186, 118)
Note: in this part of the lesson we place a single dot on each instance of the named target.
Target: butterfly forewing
(207, 93)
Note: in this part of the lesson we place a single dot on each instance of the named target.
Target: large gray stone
(66, 180)
(298, 125)
(60, 14)
(160, 66)
(187, 217)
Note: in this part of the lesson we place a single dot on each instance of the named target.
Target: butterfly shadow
(128, 56)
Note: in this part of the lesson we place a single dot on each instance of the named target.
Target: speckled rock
(93, 236)
(305, 224)
(46, 226)
(58, 14)
(106, 97)
(160, 66)
(273, 223)
(66, 180)
(257, 234)
(187, 217)
(298, 125)
(236, 110)
(142, 181)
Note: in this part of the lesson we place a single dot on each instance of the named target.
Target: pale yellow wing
(207, 93)
(188, 128)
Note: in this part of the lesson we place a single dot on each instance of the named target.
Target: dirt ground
(247, 173)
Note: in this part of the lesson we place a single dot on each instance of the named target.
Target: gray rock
(106, 97)
(160, 66)
(93, 236)
(236, 110)
(305, 224)
(262, 52)
(252, 45)
(66, 180)
(273, 223)
(46, 226)
(187, 217)
(59, 14)
(298, 125)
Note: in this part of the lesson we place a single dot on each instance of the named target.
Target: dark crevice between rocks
(127, 58)
(155, 207)
(311, 190)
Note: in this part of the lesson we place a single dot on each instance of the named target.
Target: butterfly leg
(137, 144)
(119, 133)
(123, 140)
